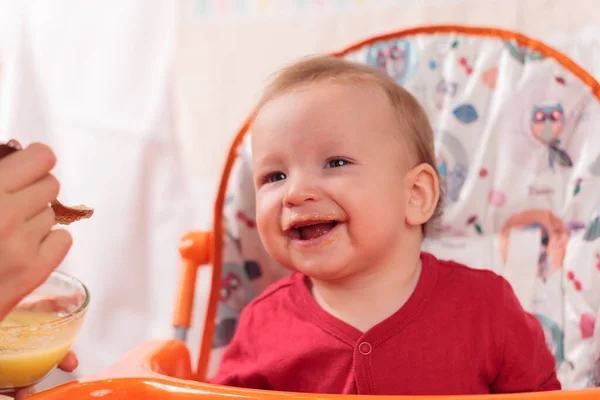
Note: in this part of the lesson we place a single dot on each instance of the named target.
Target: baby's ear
(422, 194)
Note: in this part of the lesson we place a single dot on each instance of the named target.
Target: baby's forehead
(327, 97)
(330, 106)
(327, 132)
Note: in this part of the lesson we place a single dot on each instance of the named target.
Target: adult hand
(29, 248)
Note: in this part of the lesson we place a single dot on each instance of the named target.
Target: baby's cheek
(267, 225)
(262, 205)
(262, 225)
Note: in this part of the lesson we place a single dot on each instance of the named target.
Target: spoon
(63, 215)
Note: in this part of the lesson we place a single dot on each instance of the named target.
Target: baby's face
(329, 168)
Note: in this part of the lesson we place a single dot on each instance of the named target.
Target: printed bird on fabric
(394, 58)
(547, 123)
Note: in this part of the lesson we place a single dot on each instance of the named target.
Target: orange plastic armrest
(166, 389)
(164, 360)
(195, 249)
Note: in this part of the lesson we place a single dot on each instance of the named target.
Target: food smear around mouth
(63, 215)
(23, 358)
(297, 219)
(328, 242)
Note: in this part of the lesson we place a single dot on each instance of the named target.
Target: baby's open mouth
(311, 230)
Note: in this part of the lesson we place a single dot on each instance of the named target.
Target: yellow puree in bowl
(21, 363)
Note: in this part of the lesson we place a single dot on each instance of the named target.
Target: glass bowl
(38, 333)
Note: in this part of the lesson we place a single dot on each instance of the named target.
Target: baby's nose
(299, 194)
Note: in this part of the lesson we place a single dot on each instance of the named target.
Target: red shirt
(462, 331)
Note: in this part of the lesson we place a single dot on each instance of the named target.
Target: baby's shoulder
(271, 297)
(475, 297)
(466, 281)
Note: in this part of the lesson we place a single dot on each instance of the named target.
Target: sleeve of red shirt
(527, 365)
(238, 364)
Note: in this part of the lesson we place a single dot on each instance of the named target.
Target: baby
(346, 189)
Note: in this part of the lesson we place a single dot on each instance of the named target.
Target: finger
(40, 225)
(70, 362)
(33, 199)
(25, 167)
(51, 252)
(24, 393)
(53, 249)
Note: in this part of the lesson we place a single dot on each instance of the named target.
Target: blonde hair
(414, 123)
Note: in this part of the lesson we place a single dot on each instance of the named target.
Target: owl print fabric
(518, 150)
(547, 123)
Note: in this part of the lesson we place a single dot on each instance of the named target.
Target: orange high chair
(490, 95)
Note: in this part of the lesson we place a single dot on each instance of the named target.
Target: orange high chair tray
(163, 369)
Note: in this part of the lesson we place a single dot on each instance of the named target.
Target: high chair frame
(163, 369)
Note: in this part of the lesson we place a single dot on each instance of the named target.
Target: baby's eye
(276, 176)
(338, 162)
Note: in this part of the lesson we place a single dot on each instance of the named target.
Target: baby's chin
(322, 272)
(314, 265)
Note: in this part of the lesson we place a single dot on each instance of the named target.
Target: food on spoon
(66, 215)
(63, 215)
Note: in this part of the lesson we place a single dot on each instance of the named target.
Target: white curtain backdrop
(93, 80)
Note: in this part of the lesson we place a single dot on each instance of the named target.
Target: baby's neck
(366, 300)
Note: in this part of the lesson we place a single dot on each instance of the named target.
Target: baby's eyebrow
(266, 163)
(267, 159)
(330, 142)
